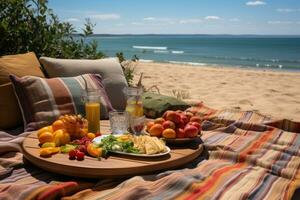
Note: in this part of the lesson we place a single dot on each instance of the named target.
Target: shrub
(28, 25)
(128, 66)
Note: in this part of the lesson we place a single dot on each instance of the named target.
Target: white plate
(144, 155)
(97, 140)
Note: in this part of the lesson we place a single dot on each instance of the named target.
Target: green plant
(29, 25)
(128, 66)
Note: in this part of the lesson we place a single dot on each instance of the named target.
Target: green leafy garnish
(110, 143)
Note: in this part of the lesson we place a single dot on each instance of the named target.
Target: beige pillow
(110, 70)
(20, 65)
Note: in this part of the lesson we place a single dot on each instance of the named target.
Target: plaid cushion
(42, 100)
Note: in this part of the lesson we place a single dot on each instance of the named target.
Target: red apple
(169, 124)
(179, 133)
(173, 116)
(195, 119)
(181, 124)
(188, 115)
(196, 124)
(184, 118)
(190, 131)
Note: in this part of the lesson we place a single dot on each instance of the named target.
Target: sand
(272, 93)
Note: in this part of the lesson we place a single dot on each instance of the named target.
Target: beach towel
(250, 156)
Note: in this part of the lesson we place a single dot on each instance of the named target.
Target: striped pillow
(42, 100)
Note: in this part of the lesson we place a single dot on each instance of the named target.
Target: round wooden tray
(114, 166)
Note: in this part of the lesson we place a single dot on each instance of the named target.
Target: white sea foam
(177, 52)
(146, 61)
(160, 51)
(150, 47)
(188, 63)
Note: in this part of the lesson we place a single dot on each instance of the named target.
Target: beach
(272, 93)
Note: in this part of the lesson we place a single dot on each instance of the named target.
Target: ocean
(267, 52)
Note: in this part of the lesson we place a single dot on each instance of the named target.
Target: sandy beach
(271, 93)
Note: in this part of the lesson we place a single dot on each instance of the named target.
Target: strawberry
(72, 154)
(80, 155)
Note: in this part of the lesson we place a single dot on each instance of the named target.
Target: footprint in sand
(245, 102)
(272, 90)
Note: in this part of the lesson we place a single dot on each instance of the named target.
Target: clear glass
(119, 122)
(91, 99)
(137, 124)
(134, 105)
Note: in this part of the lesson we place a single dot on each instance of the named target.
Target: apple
(179, 133)
(190, 131)
(169, 124)
(173, 116)
(184, 118)
(188, 115)
(196, 124)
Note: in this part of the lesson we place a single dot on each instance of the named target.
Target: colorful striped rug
(250, 157)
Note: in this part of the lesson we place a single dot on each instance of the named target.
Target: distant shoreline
(222, 66)
(204, 35)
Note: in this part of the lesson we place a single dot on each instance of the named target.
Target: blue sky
(183, 16)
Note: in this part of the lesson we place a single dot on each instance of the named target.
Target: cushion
(109, 68)
(42, 101)
(20, 65)
(156, 104)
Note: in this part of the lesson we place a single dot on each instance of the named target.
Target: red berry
(80, 155)
(97, 134)
(82, 148)
(72, 154)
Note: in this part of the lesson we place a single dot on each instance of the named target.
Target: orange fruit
(44, 129)
(91, 135)
(58, 124)
(45, 137)
(156, 130)
(149, 125)
(169, 133)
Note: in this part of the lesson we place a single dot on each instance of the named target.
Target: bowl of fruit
(176, 127)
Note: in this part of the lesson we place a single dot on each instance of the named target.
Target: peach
(169, 133)
(173, 116)
(159, 120)
(93, 150)
(179, 133)
(44, 129)
(149, 125)
(190, 131)
(61, 137)
(195, 119)
(58, 124)
(156, 130)
(45, 137)
(169, 124)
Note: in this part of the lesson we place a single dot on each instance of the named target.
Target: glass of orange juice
(91, 99)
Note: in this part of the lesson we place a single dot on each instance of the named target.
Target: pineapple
(75, 125)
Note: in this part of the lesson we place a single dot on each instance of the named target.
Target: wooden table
(115, 165)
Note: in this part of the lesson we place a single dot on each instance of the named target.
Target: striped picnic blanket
(251, 156)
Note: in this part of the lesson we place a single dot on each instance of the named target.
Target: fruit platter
(176, 127)
(66, 147)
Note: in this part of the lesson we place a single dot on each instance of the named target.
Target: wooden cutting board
(114, 166)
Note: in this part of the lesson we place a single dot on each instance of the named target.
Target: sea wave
(146, 61)
(160, 51)
(188, 63)
(150, 47)
(177, 52)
